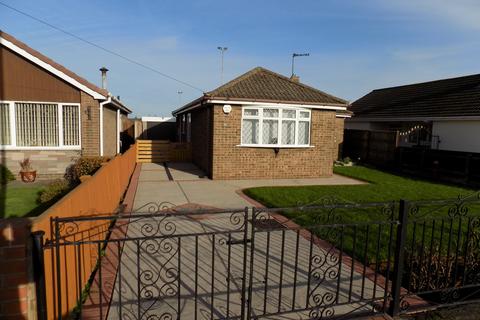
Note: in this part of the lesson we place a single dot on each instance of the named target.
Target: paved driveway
(190, 186)
(197, 274)
(194, 274)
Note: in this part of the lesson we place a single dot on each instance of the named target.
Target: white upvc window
(39, 125)
(275, 127)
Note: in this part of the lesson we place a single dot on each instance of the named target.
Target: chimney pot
(104, 71)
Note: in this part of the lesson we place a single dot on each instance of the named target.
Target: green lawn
(19, 201)
(381, 187)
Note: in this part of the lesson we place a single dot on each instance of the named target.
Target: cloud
(459, 13)
(422, 54)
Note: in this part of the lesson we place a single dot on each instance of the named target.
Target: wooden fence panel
(379, 148)
(101, 194)
(158, 151)
(375, 147)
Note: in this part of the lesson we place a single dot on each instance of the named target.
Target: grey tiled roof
(441, 98)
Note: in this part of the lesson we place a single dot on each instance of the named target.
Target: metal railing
(323, 260)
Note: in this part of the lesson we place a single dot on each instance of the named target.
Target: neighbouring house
(263, 125)
(50, 114)
(442, 114)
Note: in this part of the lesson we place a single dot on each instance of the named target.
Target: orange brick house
(263, 125)
(50, 114)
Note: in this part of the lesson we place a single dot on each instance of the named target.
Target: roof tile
(264, 85)
(441, 98)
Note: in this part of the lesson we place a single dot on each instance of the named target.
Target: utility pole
(293, 60)
(222, 50)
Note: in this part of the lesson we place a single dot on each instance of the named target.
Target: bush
(54, 191)
(84, 166)
(5, 175)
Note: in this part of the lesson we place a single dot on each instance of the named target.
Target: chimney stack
(104, 77)
(295, 78)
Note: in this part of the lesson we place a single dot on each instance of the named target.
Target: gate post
(401, 238)
(244, 272)
(39, 273)
(250, 269)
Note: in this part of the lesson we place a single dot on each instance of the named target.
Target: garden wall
(17, 290)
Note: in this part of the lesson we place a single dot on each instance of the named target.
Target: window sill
(266, 146)
(65, 148)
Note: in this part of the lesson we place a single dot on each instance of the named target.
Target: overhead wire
(140, 64)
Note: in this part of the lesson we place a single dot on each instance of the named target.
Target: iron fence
(321, 260)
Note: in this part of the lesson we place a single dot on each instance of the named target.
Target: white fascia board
(343, 116)
(175, 112)
(51, 69)
(255, 103)
(357, 119)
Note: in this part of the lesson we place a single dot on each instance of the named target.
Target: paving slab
(158, 192)
(153, 176)
(182, 171)
(153, 167)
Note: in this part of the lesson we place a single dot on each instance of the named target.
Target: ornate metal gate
(164, 262)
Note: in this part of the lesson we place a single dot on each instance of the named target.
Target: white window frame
(260, 118)
(61, 146)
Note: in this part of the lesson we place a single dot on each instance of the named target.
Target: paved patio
(190, 186)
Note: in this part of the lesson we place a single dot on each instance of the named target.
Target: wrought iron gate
(165, 262)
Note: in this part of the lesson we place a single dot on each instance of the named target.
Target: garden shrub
(84, 166)
(54, 191)
(5, 175)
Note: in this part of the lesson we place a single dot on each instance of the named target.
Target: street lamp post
(222, 50)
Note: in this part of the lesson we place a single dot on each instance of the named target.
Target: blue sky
(355, 46)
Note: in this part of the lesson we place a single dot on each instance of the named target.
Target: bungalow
(442, 114)
(263, 125)
(50, 114)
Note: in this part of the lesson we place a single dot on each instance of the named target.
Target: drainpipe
(109, 100)
(118, 131)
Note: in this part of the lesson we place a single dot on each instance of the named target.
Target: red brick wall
(90, 115)
(339, 130)
(233, 162)
(17, 292)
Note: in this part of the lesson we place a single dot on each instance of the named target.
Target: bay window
(276, 127)
(39, 125)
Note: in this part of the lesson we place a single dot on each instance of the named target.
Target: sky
(355, 46)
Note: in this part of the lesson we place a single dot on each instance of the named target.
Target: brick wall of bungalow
(216, 138)
(339, 131)
(201, 138)
(90, 116)
(50, 164)
(230, 161)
